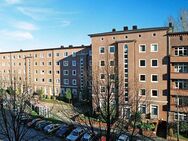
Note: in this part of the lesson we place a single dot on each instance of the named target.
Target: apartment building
(178, 51)
(138, 57)
(54, 70)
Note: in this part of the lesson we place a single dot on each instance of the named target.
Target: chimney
(125, 28)
(170, 24)
(113, 30)
(134, 27)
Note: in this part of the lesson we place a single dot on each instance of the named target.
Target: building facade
(178, 52)
(54, 70)
(138, 57)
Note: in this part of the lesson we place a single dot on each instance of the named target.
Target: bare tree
(181, 22)
(13, 108)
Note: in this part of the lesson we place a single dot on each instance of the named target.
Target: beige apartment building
(54, 70)
(138, 57)
(178, 52)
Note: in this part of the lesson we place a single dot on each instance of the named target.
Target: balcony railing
(179, 75)
(179, 59)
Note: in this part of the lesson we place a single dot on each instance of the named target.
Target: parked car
(33, 122)
(51, 128)
(42, 124)
(88, 137)
(24, 118)
(123, 137)
(64, 130)
(75, 135)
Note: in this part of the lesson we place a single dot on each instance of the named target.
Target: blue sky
(31, 24)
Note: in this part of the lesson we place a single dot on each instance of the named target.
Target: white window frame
(154, 90)
(74, 63)
(157, 78)
(66, 81)
(140, 77)
(74, 82)
(154, 116)
(100, 49)
(140, 48)
(101, 89)
(140, 107)
(73, 73)
(152, 45)
(100, 63)
(100, 76)
(64, 72)
(65, 63)
(140, 91)
(157, 63)
(140, 63)
(114, 49)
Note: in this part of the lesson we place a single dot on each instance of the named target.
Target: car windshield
(120, 140)
(75, 133)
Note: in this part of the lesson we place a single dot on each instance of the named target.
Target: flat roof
(129, 31)
(177, 33)
(46, 49)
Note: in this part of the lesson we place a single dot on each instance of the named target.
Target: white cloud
(35, 13)
(24, 25)
(65, 23)
(13, 1)
(16, 35)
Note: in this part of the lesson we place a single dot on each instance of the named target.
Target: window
(74, 63)
(66, 81)
(42, 63)
(142, 108)
(73, 54)
(181, 67)
(102, 76)
(142, 92)
(112, 63)
(142, 77)
(103, 89)
(142, 63)
(35, 55)
(57, 63)
(49, 72)
(126, 48)
(154, 93)
(181, 84)
(49, 55)
(42, 79)
(57, 72)
(66, 72)
(154, 78)
(181, 51)
(74, 82)
(35, 63)
(65, 63)
(154, 47)
(57, 54)
(154, 111)
(112, 49)
(74, 72)
(36, 79)
(65, 54)
(102, 63)
(154, 63)
(50, 80)
(49, 63)
(42, 72)
(142, 48)
(101, 50)
(112, 76)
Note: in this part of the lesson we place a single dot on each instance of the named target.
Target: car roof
(123, 136)
(78, 129)
(87, 135)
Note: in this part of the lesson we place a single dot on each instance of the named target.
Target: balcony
(182, 92)
(179, 59)
(178, 75)
(182, 109)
